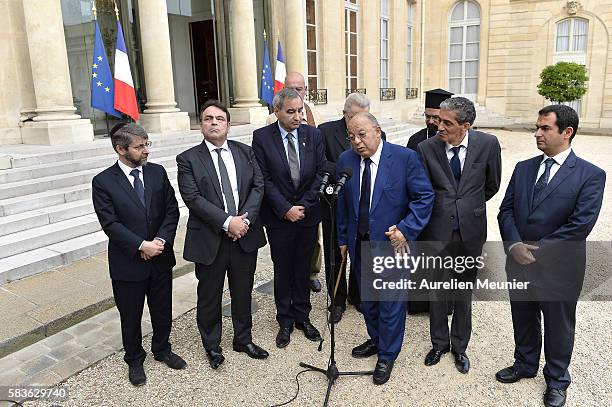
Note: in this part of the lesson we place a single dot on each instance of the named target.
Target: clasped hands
(150, 249)
(295, 213)
(238, 226)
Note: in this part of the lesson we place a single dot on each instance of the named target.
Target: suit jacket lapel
(240, 164)
(440, 148)
(532, 173)
(472, 151)
(148, 186)
(302, 147)
(207, 161)
(340, 135)
(355, 181)
(277, 142)
(382, 174)
(563, 172)
(127, 187)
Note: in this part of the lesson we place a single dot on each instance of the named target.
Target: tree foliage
(563, 82)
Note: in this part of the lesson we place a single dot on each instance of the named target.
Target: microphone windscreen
(348, 171)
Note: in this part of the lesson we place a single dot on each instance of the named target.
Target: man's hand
(237, 227)
(295, 213)
(398, 241)
(522, 253)
(151, 249)
(343, 251)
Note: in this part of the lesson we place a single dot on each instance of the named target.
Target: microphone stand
(332, 373)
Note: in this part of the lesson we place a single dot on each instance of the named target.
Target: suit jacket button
(452, 216)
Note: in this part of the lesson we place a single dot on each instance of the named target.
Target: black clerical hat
(434, 97)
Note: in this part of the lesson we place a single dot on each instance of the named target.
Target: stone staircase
(46, 214)
(485, 118)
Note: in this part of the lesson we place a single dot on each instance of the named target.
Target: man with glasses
(388, 199)
(433, 98)
(336, 142)
(138, 211)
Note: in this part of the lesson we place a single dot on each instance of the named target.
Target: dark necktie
(138, 187)
(540, 185)
(226, 186)
(364, 199)
(294, 165)
(455, 163)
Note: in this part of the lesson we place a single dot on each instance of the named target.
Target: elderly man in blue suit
(551, 205)
(389, 198)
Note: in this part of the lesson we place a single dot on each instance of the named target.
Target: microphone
(345, 175)
(328, 172)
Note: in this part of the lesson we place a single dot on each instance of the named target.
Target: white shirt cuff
(161, 240)
(226, 223)
(512, 245)
(140, 247)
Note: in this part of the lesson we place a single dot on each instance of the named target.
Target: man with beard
(138, 211)
(433, 98)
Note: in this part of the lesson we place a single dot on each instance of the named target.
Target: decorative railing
(357, 90)
(318, 96)
(387, 93)
(412, 93)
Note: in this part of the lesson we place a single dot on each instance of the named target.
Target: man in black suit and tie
(291, 157)
(464, 167)
(433, 98)
(336, 142)
(138, 211)
(222, 186)
(550, 207)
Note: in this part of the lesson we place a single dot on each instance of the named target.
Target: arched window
(464, 49)
(571, 46)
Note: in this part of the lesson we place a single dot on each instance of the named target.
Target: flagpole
(93, 9)
(116, 10)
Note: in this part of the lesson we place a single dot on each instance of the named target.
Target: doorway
(204, 62)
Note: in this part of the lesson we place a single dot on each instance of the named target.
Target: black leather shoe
(382, 372)
(511, 375)
(554, 397)
(310, 332)
(137, 375)
(434, 355)
(215, 357)
(283, 337)
(172, 360)
(252, 350)
(335, 314)
(462, 362)
(315, 285)
(365, 350)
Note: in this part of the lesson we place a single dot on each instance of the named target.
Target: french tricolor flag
(125, 96)
(281, 71)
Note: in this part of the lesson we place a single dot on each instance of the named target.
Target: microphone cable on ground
(297, 381)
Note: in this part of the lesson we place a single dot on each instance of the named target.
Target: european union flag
(102, 82)
(267, 84)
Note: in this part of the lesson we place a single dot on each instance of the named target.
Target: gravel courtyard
(241, 381)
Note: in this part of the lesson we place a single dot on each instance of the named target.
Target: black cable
(296, 392)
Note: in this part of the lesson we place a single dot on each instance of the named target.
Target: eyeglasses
(431, 117)
(352, 138)
(141, 147)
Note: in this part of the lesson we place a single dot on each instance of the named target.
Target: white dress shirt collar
(127, 169)
(212, 147)
(463, 143)
(559, 158)
(376, 156)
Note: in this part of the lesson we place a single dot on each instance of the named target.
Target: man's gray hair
(368, 116)
(282, 95)
(463, 108)
(125, 135)
(358, 99)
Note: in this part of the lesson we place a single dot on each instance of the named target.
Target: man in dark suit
(291, 157)
(464, 167)
(433, 98)
(137, 210)
(222, 186)
(388, 198)
(550, 207)
(334, 134)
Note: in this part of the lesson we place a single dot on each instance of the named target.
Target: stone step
(44, 216)
(58, 254)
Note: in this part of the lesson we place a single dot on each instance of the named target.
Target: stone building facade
(183, 52)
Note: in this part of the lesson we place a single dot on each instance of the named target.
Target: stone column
(161, 114)
(295, 35)
(332, 71)
(55, 121)
(246, 107)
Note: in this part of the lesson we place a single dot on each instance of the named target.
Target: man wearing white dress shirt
(221, 184)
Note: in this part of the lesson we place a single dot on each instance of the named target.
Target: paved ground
(242, 381)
